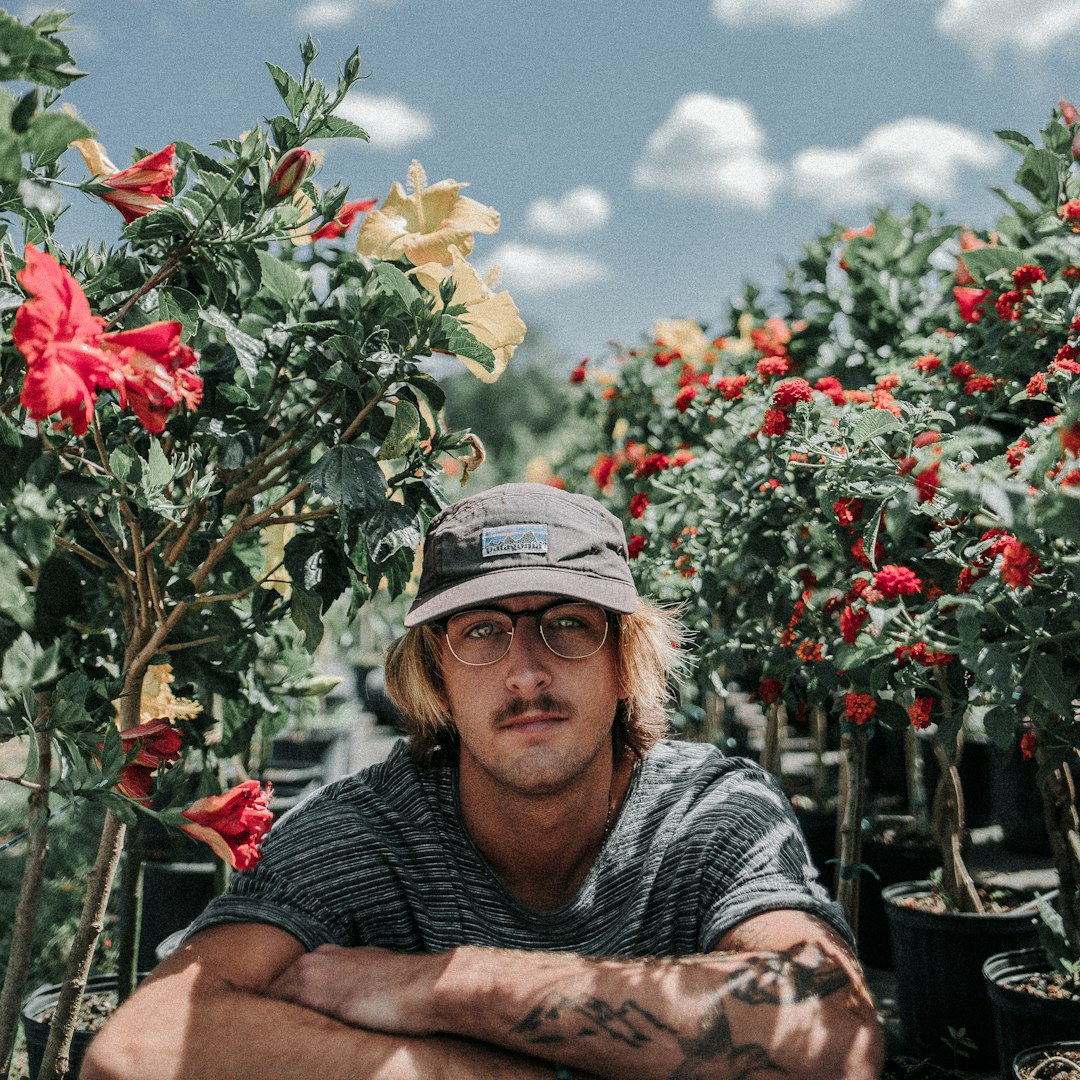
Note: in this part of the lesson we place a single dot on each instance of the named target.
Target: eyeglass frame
(538, 613)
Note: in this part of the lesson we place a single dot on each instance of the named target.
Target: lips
(532, 722)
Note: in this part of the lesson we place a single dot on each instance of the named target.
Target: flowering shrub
(208, 432)
(878, 512)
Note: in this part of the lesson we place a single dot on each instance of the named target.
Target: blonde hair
(649, 655)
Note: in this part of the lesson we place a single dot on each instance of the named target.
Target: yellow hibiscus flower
(682, 334)
(424, 225)
(491, 317)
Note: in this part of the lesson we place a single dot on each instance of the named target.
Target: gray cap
(522, 538)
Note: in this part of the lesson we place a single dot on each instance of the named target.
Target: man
(540, 885)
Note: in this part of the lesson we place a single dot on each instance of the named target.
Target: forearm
(796, 1013)
(209, 1030)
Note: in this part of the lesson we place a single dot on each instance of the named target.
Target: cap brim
(619, 596)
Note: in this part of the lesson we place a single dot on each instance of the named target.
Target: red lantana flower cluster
(892, 581)
(921, 653)
(859, 709)
(69, 357)
(919, 712)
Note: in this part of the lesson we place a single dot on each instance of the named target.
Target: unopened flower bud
(1069, 115)
(352, 67)
(290, 173)
(308, 51)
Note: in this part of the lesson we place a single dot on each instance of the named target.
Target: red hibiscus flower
(58, 335)
(969, 302)
(233, 824)
(346, 216)
(859, 708)
(291, 172)
(919, 712)
(157, 744)
(141, 188)
(892, 581)
(154, 372)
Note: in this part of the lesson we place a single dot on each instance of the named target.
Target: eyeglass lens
(572, 631)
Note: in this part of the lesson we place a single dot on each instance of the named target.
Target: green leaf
(126, 465)
(403, 433)
(27, 666)
(875, 423)
(984, 261)
(392, 528)
(1048, 683)
(351, 479)
(1000, 723)
(1039, 174)
(397, 284)
(249, 351)
(54, 131)
(159, 472)
(15, 598)
(1016, 139)
(292, 93)
(453, 337)
(1061, 516)
(334, 127)
(279, 279)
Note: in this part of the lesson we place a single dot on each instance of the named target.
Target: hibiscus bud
(1069, 115)
(352, 67)
(291, 172)
(308, 51)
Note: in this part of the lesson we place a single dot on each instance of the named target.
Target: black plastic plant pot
(1023, 1019)
(1034, 1056)
(940, 990)
(36, 1030)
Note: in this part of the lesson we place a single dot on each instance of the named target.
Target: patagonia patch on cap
(530, 538)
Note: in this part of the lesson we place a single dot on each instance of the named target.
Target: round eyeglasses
(482, 636)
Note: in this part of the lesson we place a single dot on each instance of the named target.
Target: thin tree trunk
(54, 1062)
(1063, 828)
(948, 821)
(915, 773)
(775, 718)
(26, 909)
(131, 902)
(819, 734)
(852, 796)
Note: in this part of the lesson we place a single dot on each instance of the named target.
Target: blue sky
(646, 158)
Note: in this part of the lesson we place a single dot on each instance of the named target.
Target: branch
(308, 515)
(78, 549)
(163, 273)
(22, 782)
(179, 646)
(106, 545)
(182, 540)
(365, 412)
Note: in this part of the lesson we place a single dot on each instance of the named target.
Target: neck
(541, 846)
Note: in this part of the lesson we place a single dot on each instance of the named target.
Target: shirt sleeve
(755, 858)
(300, 882)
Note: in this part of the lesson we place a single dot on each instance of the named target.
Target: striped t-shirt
(383, 858)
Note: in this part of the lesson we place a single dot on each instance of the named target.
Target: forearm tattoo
(799, 974)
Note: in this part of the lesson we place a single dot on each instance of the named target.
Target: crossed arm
(781, 996)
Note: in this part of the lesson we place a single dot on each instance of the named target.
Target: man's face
(532, 721)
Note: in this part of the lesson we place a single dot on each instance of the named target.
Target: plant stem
(22, 933)
(131, 898)
(852, 798)
(1063, 830)
(55, 1059)
(774, 721)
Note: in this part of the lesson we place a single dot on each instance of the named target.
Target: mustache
(547, 703)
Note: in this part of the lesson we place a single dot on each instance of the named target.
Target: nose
(527, 661)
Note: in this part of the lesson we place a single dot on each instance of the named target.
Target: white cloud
(321, 14)
(913, 156)
(581, 210)
(710, 147)
(528, 268)
(797, 12)
(986, 26)
(391, 122)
